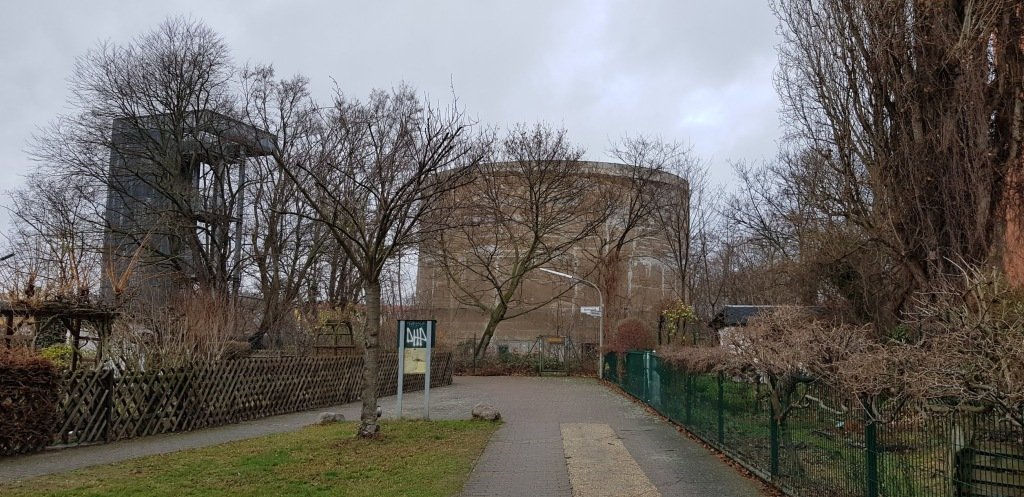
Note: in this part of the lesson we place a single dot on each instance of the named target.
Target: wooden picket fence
(107, 405)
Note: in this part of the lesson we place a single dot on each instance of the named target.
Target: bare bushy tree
(972, 345)
(786, 348)
(905, 123)
(144, 128)
(53, 240)
(647, 205)
(292, 259)
(529, 208)
(373, 182)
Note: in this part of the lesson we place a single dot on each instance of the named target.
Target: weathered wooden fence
(107, 405)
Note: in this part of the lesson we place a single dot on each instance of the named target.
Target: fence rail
(825, 445)
(106, 405)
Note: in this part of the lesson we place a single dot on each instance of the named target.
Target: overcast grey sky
(688, 70)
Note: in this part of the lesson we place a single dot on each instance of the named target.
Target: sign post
(401, 366)
(415, 343)
(426, 379)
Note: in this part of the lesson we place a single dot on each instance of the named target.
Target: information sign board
(415, 341)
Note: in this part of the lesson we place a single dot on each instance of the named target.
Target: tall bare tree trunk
(368, 426)
(497, 316)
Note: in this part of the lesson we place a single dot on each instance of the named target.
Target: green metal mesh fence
(826, 444)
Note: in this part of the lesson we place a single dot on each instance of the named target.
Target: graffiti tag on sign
(416, 334)
(416, 337)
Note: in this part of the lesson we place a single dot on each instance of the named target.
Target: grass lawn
(413, 458)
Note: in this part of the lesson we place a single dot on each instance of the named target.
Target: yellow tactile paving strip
(599, 464)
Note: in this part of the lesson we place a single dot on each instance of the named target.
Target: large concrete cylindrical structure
(645, 282)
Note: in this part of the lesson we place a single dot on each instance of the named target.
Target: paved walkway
(566, 434)
(559, 434)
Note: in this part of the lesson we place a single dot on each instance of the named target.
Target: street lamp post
(600, 331)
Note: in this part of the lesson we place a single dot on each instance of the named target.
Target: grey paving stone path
(525, 457)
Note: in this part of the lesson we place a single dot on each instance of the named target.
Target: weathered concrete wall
(644, 285)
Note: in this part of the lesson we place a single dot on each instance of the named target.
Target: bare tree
(682, 214)
(771, 248)
(665, 189)
(786, 348)
(151, 130)
(972, 343)
(630, 194)
(905, 120)
(53, 239)
(291, 258)
(527, 209)
(373, 183)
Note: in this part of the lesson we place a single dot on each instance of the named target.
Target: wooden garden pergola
(70, 315)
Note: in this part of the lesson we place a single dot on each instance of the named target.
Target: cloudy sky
(688, 70)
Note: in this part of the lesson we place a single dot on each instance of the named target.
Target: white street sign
(591, 311)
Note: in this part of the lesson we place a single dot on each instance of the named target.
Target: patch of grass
(413, 458)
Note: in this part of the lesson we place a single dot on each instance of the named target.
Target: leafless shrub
(792, 346)
(699, 360)
(971, 348)
(195, 328)
(630, 334)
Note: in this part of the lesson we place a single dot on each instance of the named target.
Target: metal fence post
(773, 432)
(721, 409)
(871, 456)
(688, 388)
(646, 377)
(540, 358)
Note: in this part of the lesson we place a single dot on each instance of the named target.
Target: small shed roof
(737, 315)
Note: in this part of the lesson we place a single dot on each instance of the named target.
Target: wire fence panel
(817, 441)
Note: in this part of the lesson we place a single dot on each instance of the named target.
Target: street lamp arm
(600, 300)
(571, 277)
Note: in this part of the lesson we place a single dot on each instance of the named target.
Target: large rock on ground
(327, 418)
(486, 412)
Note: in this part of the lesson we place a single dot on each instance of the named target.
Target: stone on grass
(486, 412)
(327, 418)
